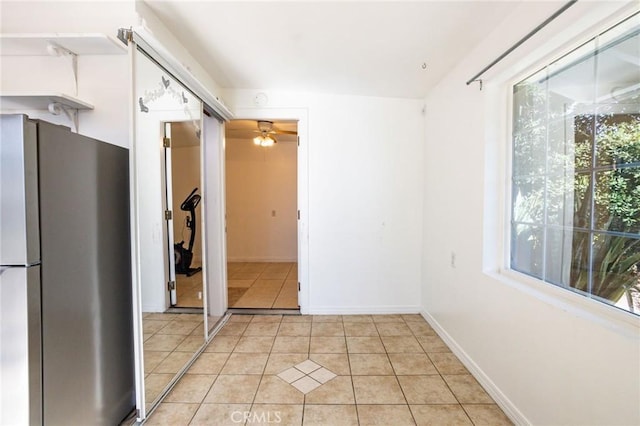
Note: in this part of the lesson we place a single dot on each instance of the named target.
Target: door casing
(301, 116)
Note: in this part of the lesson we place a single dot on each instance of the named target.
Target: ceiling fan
(267, 132)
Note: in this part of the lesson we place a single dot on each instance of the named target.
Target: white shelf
(79, 44)
(40, 101)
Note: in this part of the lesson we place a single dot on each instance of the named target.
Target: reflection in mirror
(167, 169)
(186, 208)
(171, 340)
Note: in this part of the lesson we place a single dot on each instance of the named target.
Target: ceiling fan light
(267, 141)
(258, 140)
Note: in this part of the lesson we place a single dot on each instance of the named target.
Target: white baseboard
(363, 310)
(153, 309)
(498, 396)
(273, 259)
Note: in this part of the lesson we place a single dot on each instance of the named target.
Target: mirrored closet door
(168, 128)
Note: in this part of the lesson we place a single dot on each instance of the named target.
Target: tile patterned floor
(389, 370)
(262, 285)
(170, 340)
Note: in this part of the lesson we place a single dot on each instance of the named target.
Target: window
(575, 201)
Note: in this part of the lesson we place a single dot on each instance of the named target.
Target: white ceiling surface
(367, 48)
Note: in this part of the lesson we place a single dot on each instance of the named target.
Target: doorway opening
(261, 172)
(184, 218)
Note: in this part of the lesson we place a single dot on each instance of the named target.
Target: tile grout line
(217, 376)
(264, 368)
(442, 378)
(215, 380)
(304, 400)
(353, 386)
(398, 380)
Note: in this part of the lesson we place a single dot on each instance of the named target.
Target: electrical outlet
(200, 295)
(453, 259)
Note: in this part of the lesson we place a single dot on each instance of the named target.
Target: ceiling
(247, 129)
(373, 48)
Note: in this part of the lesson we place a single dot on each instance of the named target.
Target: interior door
(168, 215)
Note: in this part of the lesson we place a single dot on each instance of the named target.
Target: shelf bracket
(55, 49)
(74, 66)
(56, 108)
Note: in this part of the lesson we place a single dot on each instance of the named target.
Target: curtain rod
(522, 40)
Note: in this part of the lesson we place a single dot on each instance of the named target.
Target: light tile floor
(262, 285)
(170, 340)
(380, 369)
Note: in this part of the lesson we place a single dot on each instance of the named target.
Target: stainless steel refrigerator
(66, 338)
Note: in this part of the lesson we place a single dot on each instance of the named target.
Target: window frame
(572, 302)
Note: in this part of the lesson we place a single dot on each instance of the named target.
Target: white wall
(260, 181)
(543, 354)
(100, 83)
(103, 80)
(364, 190)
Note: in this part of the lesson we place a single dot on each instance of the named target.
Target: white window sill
(574, 304)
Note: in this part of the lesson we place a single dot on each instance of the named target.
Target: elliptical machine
(183, 256)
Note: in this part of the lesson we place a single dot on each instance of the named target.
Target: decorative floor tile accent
(291, 375)
(322, 375)
(306, 376)
(307, 366)
(306, 384)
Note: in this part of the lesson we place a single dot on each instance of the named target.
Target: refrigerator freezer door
(20, 346)
(20, 235)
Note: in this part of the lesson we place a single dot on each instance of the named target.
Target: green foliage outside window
(616, 204)
(576, 195)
